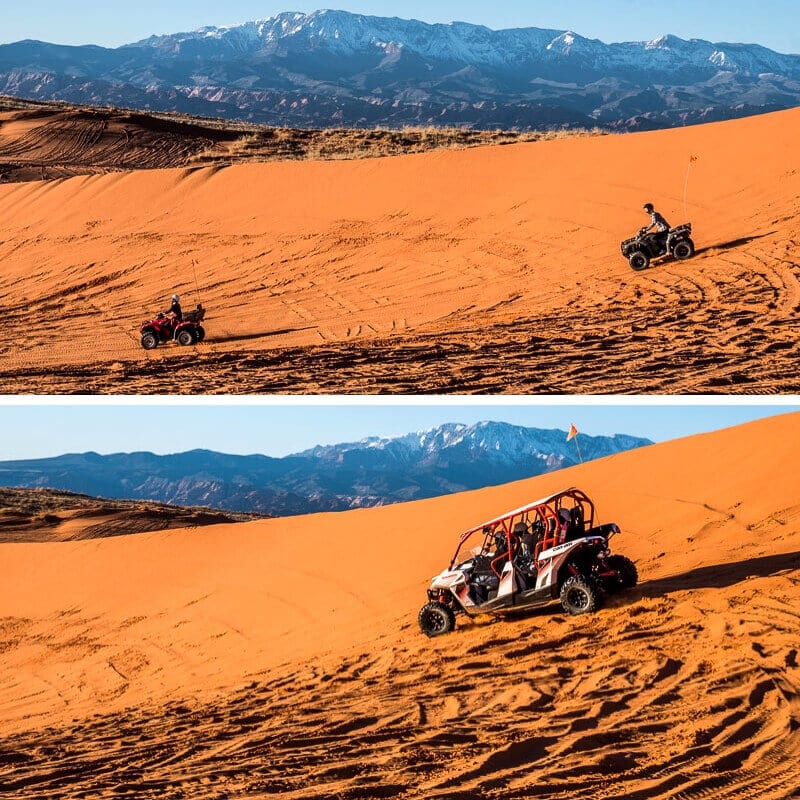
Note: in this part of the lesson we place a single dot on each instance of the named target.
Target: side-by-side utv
(551, 549)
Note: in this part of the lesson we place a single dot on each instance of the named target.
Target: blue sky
(40, 429)
(772, 23)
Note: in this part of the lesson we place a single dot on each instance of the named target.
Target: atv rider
(659, 223)
(177, 314)
(175, 308)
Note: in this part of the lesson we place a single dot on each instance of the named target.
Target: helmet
(649, 208)
(175, 298)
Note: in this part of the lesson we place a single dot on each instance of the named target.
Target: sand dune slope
(493, 270)
(45, 141)
(49, 142)
(282, 658)
(50, 515)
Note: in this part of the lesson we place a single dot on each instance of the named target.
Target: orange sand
(283, 656)
(506, 256)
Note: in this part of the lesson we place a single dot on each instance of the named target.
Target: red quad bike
(549, 550)
(165, 328)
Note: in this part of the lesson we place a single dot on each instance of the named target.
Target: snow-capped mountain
(333, 68)
(496, 443)
(371, 472)
(350, 35)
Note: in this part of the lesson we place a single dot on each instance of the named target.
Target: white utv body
(549, 549)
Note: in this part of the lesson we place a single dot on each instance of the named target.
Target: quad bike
(164, 328)
(549, 550)
(644, 247)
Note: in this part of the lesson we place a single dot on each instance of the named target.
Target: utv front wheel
(200, 333)
(627, 575)
(185, 338)
(683, 249)
(436, 620)
(149, 340)
(639, 260)
(579, 596)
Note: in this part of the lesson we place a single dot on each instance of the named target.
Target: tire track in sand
(685, 688)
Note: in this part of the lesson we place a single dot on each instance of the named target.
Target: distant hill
(45, 140)
(333, 68)
(372, 472)
(49, 515)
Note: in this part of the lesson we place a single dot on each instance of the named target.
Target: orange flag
(573, 432)
(692, 159)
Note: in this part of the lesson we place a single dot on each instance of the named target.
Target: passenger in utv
(564, 525)
(522, 532)
(523, 558)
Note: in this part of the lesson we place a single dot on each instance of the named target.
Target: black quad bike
(644, 247)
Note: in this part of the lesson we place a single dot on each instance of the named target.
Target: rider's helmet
(649, 208)
(175, 298)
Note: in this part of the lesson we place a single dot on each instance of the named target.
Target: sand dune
(50, 515)
(495, 269)
(47, 141)
(281, 658)
(57, 141)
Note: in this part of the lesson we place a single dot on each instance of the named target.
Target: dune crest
(283, 657)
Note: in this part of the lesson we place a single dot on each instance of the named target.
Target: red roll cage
(544, 511)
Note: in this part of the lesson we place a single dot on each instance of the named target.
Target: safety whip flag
(692, 160)
(194, 272)
(573, 432)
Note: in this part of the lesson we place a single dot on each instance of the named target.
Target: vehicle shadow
(718, 576)
(715, 576)
(734, 243)
(248, 337)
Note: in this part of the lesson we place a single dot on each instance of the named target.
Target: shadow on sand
(734, 243)
(719, 576)
(248, 337)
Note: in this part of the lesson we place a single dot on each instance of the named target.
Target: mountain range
(333, 69)
(372, 472)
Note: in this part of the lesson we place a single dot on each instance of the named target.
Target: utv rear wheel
(149, 340)
(580, 596)
(436, 620)
(185, 338)
(683, 249)
(639, 260)
(627, 574)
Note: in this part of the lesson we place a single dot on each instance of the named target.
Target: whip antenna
(692, 159)
(194, 272)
